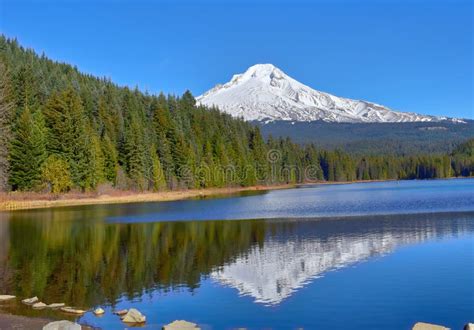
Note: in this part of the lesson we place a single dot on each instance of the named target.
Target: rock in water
(56, 305)
(99, 311)
(30, 301)
(134, 316)
(62, 325)
(181, 325)
(4, 297)
(39, 305)
(428, 326)
(469, 326)
(72, 310)
(121, 312)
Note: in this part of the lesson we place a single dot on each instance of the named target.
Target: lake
(360, 256)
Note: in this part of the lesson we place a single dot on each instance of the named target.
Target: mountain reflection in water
(273, 271)
(90, 263)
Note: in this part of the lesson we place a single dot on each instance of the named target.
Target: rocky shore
(130, 318)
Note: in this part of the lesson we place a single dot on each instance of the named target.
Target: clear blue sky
(411, 55)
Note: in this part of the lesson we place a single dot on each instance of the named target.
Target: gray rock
(428, 326)
(181, 325)
(56, 305)
(121, 312)
(30, 301)
(469, 326)
(4, 297)
(62, 325)
(71, 310)
(39, 305)
(134, 316)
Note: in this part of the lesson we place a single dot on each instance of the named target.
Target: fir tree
(158, 181)
(68, 136)
(135, 153)
(6, 107)
(109, 153)
(28, 151)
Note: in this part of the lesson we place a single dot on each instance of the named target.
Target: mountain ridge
(265, 93)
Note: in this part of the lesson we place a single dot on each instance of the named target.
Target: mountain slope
(409, 138)
(265, 93)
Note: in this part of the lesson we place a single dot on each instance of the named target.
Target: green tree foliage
(138, 141)
(6, 107)
(463, 159)
(96, 161)
(27, 150)
(134, 153)
(70, 138)
(157, 180)
(55, 174)
(109, 153)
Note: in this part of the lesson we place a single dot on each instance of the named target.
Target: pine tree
(25, 88)
(158, 180)
(68, 137)
(257, 145)
(96, 161)
(28, 151)
(110, 159)
(135, 153)
(6, 107)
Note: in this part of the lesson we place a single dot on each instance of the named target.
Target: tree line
(63, 130)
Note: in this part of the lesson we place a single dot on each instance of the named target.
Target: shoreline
(26, 201)
(13, 321)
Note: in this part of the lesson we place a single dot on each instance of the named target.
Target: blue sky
(411, 55)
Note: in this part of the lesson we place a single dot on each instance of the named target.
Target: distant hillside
(375, 138)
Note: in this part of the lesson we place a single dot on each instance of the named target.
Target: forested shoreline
(61, 130)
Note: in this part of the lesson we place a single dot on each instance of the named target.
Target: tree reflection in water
(64, 257)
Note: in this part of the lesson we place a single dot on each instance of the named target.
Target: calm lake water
(364, 256)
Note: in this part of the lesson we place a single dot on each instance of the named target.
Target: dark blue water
(359, 256)
(396, 197)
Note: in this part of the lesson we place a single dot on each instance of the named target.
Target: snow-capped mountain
(265, 93)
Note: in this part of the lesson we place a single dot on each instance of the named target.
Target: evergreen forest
(62, 130)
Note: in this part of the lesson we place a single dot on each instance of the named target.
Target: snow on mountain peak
(264, 92)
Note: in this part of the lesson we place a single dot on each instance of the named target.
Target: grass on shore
(32, 200)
